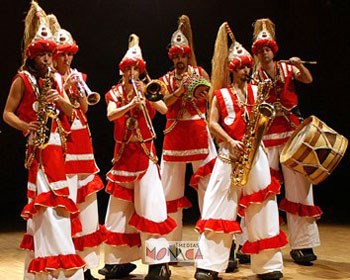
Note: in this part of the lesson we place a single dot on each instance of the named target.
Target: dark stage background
(312, 30)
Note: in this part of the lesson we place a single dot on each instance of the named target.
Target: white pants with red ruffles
(150, 207)
(173, 179)
(88, 217)
(302, 230)
(221, 204)
(51, 231)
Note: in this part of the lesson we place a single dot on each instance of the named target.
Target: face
(63, 62)
(180, 62)
(131, 72)
(42, 60)
(242, 74)
(265, 55)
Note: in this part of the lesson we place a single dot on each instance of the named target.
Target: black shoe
(274, 275)
(204, 274)
(232, 261)
(88, 275)
(243, 258)
(158, 272)
(303, 256)
(115, 271)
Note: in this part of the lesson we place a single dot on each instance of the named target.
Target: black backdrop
(310, 29)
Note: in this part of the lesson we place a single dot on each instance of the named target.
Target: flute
(302, 61)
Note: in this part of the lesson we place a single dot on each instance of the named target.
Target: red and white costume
(298, 201)
(136, 213)
(256, 201)
(84, 183)
(186, 140)
(49, 206)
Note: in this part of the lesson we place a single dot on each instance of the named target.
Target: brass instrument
(261, 116)
(155, 89)
(46, 112)
(92, 97)
(144, 110)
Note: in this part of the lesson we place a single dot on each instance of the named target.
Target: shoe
(204, 274)
(274, 275)
(303, 256)
(232, 261)
(88, 275)
(158, 272)
(115, 271)
(243, 258)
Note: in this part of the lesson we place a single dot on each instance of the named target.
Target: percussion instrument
(314, 150)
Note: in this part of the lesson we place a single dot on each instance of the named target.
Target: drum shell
(314, 150)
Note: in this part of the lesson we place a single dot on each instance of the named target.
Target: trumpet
(92, 97)
(143, 108)
(155, 89)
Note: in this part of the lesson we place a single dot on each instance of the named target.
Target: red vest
(231, 115)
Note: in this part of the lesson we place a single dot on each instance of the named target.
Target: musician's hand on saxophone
(236, 147)
(53, 96)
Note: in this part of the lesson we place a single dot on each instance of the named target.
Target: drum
(314, 150)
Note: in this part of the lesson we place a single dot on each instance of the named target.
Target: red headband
(264, 43)
(40, 46)
(179, 50)
(239, 61)
(132, 62)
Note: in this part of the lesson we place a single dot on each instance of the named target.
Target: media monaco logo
(172, 251)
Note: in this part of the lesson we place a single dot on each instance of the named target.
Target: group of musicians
(231, 127)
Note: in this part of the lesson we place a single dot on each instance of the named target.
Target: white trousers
(149, 203)
(88, 216)
(173, 180)
(51, 231)
(302, 231)
(221, 203)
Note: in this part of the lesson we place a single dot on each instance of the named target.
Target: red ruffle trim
(148, 226)
(27, 242)
(90, 240)
(277, 174)
(174, 205)
(275, 242)
(300, 209)
(122, 239)
(259, 196)
(48, 199)
(218, 225)
(92, 187)
(202, 172)
(120, 192)
(48, 264)
(75, 224)
(275, 142)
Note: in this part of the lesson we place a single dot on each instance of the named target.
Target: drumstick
(302, 61)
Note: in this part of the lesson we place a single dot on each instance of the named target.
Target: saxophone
(260, 118)
(46, 112)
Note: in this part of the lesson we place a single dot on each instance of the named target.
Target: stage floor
(333, 258)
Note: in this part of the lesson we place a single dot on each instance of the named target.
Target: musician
(186, 137)
(37, 93)
(231, 111)
(298, 202)
(81, 168)
(136, 214)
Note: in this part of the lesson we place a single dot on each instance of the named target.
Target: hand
(137, 101)
(295, 61)
(33, 126)
(53, 96)
(73, 79)
(235, 147)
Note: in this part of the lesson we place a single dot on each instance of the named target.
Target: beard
(180, 66)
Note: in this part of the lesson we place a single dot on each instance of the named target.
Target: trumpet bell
(155, 90)
(93, 98)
